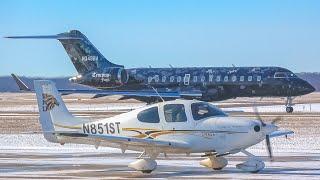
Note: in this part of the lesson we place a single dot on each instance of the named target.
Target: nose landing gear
(289, 108)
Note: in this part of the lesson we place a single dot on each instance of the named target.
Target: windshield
(203, 110)
(284, 75)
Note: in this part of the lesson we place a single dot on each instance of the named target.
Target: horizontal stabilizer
(20, 83)
(59, 37)
(82, 53)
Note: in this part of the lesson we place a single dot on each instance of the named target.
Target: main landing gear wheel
(216, 163)
(289, 109)
(146, 165)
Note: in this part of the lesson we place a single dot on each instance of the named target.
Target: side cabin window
(258, 78)
(241, 78)
(156, 78)
(179, 79)
(218, 78)
(234, 78)
(195, 79)
(203, 110)
(226, 78)
(203, 78)
(171, 78)
(149, 115)
(249, 78)
(210, 77)
(164, 79)
(174, 113)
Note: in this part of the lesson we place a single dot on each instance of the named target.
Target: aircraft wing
(101, 93)
(280, 133)
(131, 141)
(142, 93)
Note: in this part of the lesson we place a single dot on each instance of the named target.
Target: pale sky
(139, 33)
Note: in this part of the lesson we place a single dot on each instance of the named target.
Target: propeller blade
(269, 147)
(256, 112)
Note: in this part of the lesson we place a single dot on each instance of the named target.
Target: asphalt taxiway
(31, 156)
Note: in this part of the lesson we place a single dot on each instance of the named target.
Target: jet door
(175, 117)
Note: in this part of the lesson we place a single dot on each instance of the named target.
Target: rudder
(54, 115)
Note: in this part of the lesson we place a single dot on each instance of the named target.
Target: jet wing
(101, 93)
(142, 93)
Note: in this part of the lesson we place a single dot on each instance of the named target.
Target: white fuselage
(221, 134)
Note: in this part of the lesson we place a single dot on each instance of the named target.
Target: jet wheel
(217, 169)
(146, 171)
(289, 109)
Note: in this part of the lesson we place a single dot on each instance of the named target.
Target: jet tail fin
(83, 54)
(20, 83)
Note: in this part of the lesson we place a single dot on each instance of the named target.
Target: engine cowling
(109, 77)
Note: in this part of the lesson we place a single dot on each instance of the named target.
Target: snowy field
(31, 156)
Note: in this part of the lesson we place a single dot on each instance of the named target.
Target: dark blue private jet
(152, 84)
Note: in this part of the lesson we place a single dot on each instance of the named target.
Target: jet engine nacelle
(109, 77)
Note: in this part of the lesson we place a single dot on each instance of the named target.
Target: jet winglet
(20, 83)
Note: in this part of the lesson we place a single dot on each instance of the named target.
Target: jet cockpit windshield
(284, 75)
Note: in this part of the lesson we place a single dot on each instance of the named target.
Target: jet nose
(311, 88)
(307, 88)
(302, 87)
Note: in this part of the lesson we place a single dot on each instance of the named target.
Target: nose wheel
(289, 109)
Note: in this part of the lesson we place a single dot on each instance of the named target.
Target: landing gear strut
(289, 104)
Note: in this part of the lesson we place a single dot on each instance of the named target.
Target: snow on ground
(31, 156)
(313, 107)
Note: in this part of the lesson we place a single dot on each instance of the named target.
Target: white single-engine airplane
(179, 126)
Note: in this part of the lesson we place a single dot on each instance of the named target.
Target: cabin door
(174, 117)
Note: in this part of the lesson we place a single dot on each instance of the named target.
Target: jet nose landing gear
(289, 108)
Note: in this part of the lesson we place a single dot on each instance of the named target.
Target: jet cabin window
(174, 113)
(204, 110)
(149, 115)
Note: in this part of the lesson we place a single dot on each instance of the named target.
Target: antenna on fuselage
(170, 66)
(155, 90)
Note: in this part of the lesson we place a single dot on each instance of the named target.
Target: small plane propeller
(274, 121)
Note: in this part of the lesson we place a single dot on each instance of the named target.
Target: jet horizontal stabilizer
(59, 37)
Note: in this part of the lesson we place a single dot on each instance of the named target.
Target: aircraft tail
(54, 115)
(20, 83)
(83, 54)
